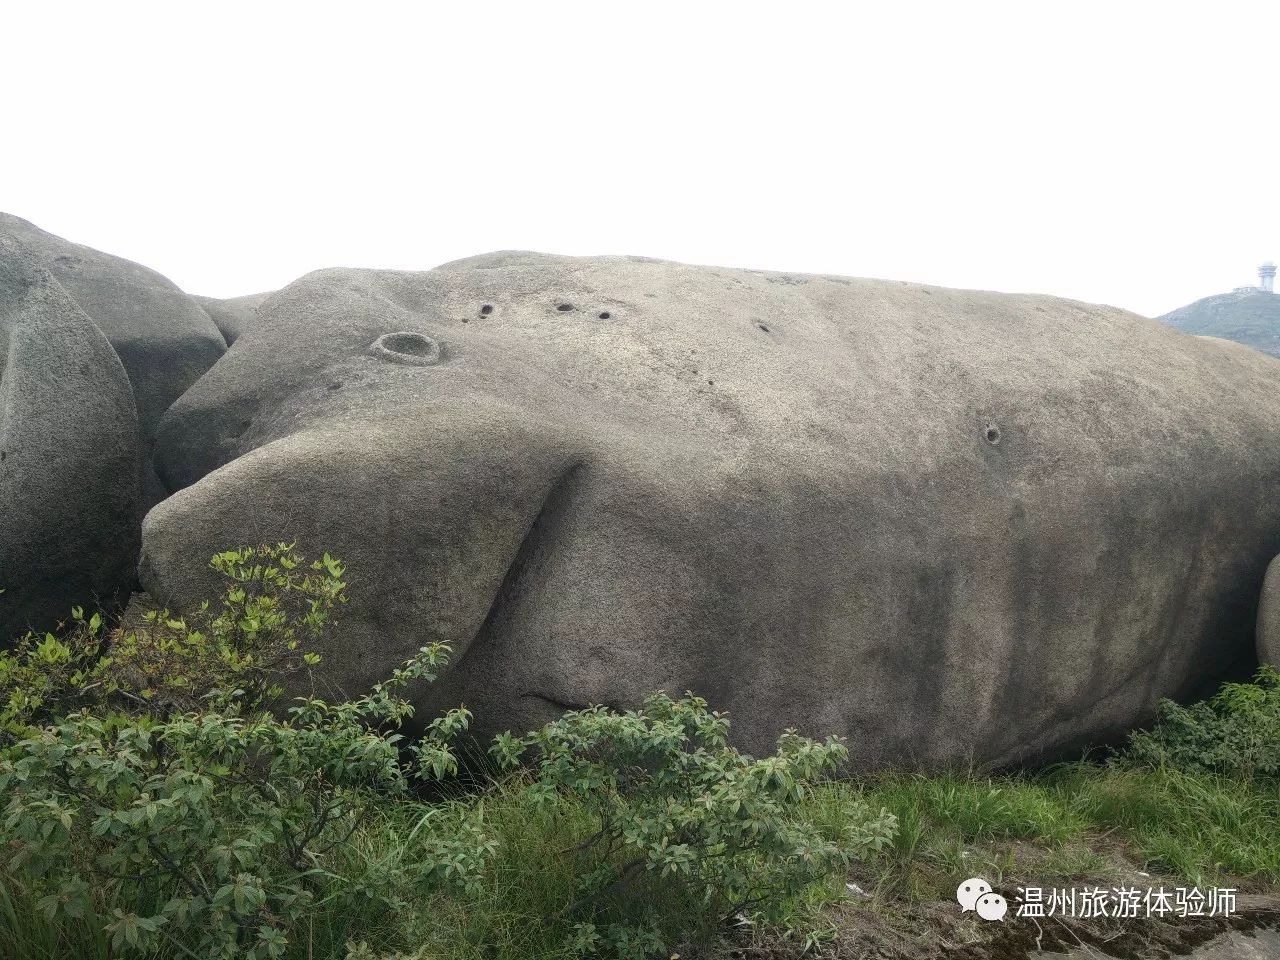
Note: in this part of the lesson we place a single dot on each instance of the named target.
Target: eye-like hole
(411, 349)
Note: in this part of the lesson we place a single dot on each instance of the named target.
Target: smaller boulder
(69, 448)
(1269, 616)
(163, 337)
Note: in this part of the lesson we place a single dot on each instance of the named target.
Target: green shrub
(678, 818)
(240, 651)
(160, 800)
(223, 825)
(1235, 733)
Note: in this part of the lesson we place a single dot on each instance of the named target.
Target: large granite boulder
(69, 498)
(951, 525)
(162, 336)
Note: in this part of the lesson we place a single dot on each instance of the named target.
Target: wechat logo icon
(976, 894)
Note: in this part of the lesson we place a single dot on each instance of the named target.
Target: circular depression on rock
(413, 349)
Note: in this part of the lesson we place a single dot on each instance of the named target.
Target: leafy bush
(160, 800)
(240, 651)
(155, 768)
(677, 813)
(1235, 733)
(223, 823)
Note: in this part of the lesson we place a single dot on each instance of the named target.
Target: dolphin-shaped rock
(951, 525)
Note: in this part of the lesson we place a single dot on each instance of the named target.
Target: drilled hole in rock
(606, 315)
(993, 434)
(486, 310)
(564, 307)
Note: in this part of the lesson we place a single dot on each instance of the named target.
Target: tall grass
(518, 914)
(1070, 821)
(1197, 827)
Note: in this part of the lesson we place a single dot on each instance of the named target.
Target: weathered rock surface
(233, 316)
(69, 498)
(162, 336)
(1269, 617)
(952, 525)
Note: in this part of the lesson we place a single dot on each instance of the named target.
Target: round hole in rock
(993, 434)
(605, 315)
(564, 307)
(411, 349)
(486, 310)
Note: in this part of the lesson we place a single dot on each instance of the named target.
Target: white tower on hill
(1267, 277)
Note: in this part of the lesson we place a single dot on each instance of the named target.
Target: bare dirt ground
(885, 926)
(938, 931)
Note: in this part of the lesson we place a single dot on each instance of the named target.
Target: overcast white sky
(1118, 152)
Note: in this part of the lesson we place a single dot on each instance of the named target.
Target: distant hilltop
(1248, 315)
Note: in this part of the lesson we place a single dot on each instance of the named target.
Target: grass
(1193, 802)
(1071, 822)
(518, 913)
(1063, 824)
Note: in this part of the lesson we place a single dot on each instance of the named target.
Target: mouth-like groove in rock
(560, 706)
(525, 556)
